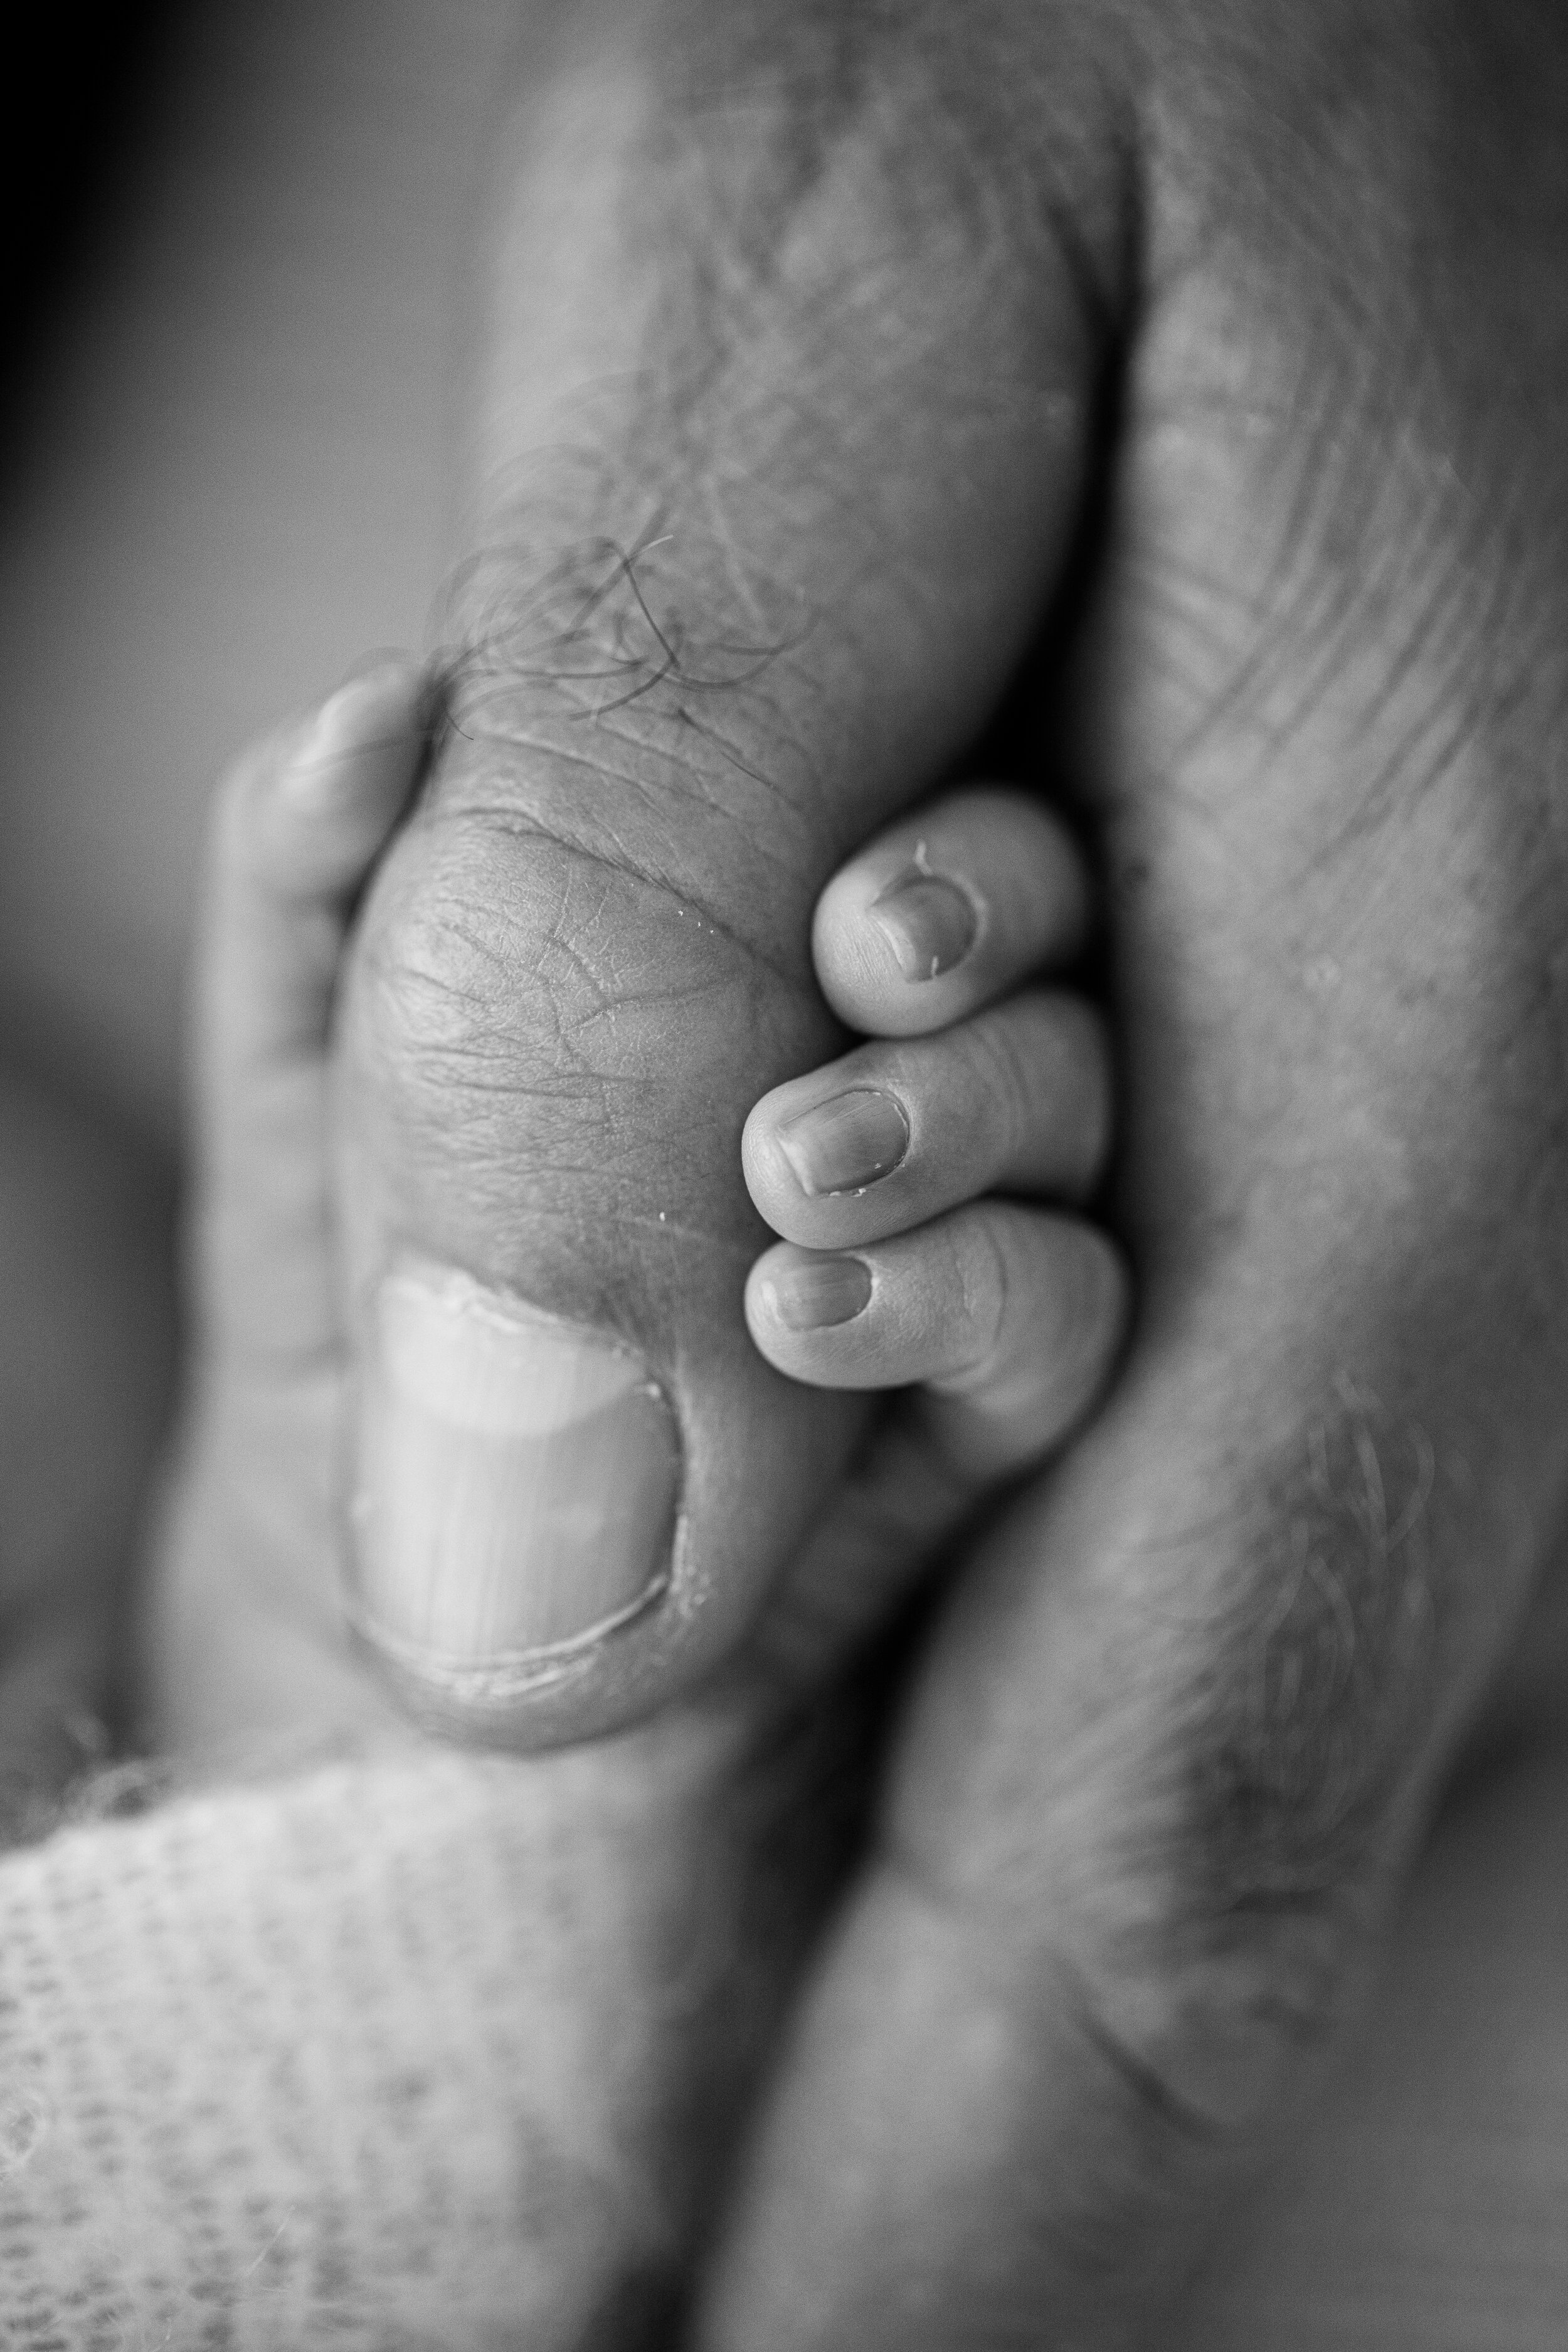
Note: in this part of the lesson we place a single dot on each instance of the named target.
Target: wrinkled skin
(1247, 325)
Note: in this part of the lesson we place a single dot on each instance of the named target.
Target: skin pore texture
(1267, 305)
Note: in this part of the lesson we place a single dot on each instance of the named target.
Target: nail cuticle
(510, 1675)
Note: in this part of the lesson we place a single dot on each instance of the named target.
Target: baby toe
(1011, 1319)
(949, 911)
(1016, 1099)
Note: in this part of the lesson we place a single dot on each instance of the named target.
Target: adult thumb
(704, 646)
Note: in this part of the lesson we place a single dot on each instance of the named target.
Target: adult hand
(1220, 346)
(455, 2044)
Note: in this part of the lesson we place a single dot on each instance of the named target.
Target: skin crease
(1271, 306)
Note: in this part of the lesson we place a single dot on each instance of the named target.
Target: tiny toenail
(317, 779)
(815, 1292)
(928, 921)
(850, 1140)
(518, 1478)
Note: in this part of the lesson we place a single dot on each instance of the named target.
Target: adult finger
(1179, 1732)
(1173, 1749)
(680, 699)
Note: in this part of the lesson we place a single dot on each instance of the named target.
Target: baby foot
(898, 1174)
(907, 1179)
(240, 1630)
(623, 1922)
(618, 1924)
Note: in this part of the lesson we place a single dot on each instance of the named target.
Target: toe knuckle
(1007, 1081)
(984, 1288)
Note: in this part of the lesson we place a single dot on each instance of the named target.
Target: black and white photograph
(783, 1177)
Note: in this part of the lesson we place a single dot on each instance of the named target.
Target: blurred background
(244, 241)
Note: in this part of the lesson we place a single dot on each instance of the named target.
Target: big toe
(574, 1477)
